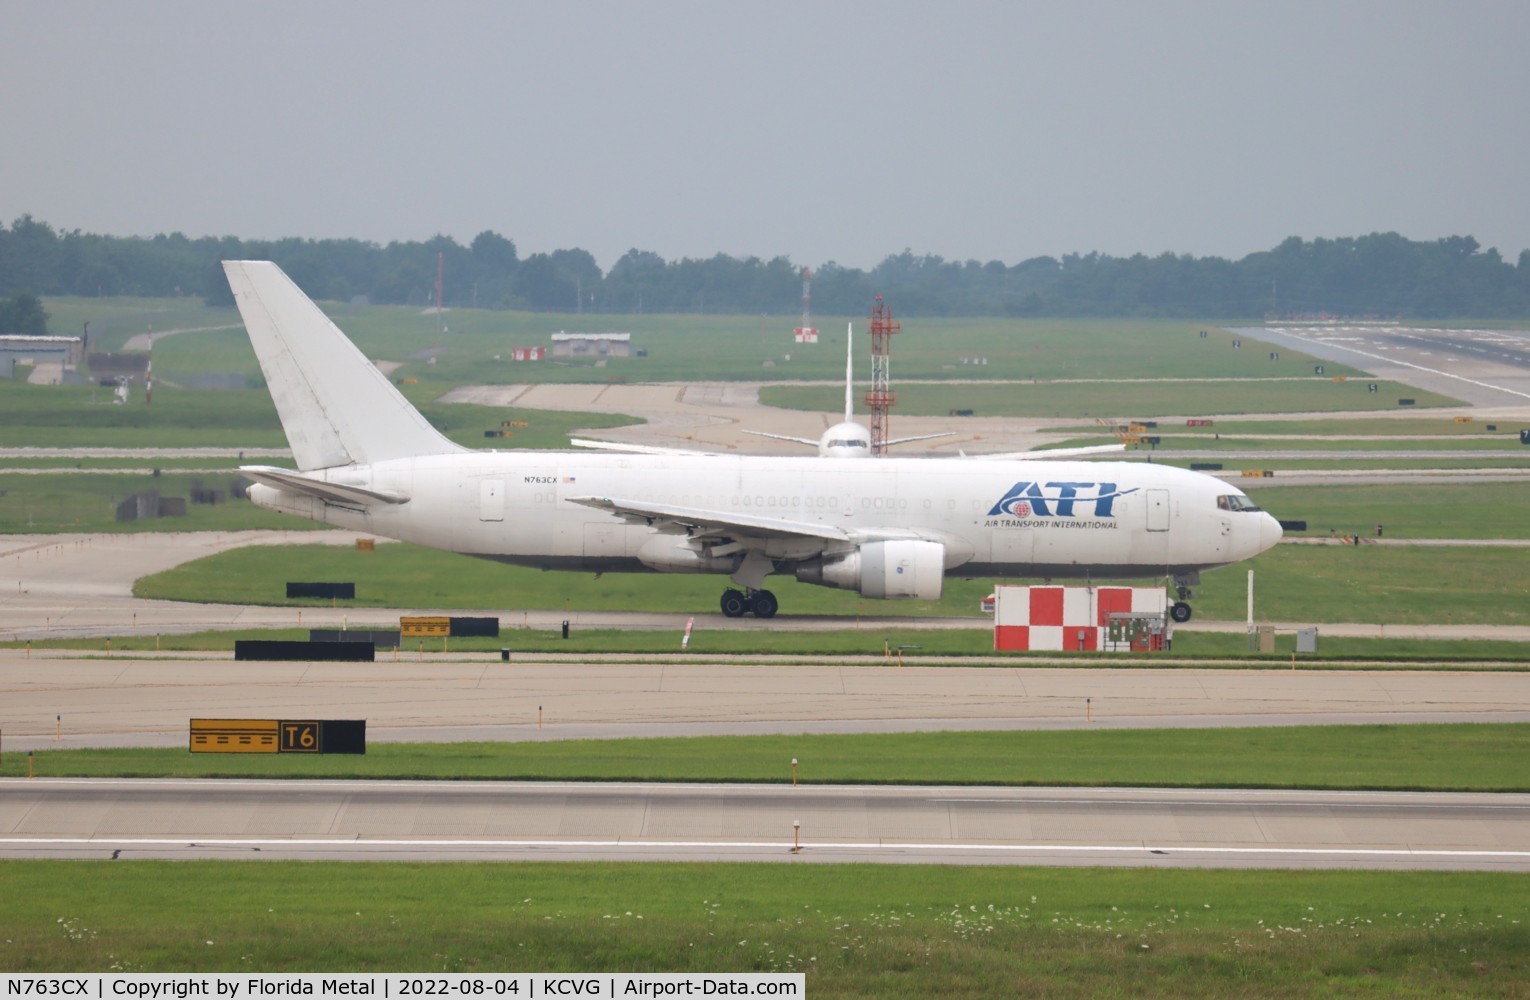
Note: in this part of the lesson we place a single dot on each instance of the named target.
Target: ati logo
(1058, 500)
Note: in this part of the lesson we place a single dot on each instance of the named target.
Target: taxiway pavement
(70, 701)
(373, 820)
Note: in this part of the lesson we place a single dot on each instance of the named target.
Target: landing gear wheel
(734, 604)
(764, 604)
(1180, 611)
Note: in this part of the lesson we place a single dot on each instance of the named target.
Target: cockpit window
(1235, 501)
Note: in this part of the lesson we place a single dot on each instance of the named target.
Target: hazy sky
(822, 131)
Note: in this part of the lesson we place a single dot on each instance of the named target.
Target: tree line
(1382, 275)
(23, 313)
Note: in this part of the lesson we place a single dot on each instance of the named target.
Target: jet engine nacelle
(907, 568)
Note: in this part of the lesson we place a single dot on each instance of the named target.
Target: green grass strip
(1294, 583)
(855, 930)
(1455, 757)
(1114, 400)
(867, 647)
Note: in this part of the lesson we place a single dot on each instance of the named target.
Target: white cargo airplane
(891, 528)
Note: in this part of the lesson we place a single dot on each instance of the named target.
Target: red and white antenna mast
(880, 398)
(807, 333)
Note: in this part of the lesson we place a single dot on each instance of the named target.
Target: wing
(1049, 455)
(921, 437)
(752, 547)
(785, 437)
(694, 521)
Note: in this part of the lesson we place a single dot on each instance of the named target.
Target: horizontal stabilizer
(294, 482)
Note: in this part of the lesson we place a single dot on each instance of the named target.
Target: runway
(374, 820)
(1485, 368)
(67, 702)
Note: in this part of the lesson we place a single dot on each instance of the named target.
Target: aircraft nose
(1270, 532)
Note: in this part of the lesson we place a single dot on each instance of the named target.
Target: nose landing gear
(1179, 610)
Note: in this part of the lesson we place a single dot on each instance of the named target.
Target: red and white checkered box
(1065, 618)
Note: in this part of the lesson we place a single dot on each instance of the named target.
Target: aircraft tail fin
(335, 406)
(849, 372)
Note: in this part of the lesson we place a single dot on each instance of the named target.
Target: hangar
(37, 350)
(583, 345)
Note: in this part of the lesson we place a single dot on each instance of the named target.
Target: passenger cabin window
(1235, 502)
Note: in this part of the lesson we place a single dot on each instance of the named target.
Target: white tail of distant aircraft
(849, 438)
(892, 528)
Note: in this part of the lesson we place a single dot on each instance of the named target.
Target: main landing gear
(738, 603)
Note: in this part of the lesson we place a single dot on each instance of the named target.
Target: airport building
(591, 345)
(38, 350)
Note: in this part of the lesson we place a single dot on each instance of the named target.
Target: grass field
(867, 647)
(1402, 585)
(114, 319)
(71, 502)
(1114, 400)
(1478, 757)
(411, 576)
(131, 464)
(1460, 446)
(856, 931)
(1441, 425)
(1285, 466)
(693, 347)
(1419, 510)
(85, 416)
(682, 347)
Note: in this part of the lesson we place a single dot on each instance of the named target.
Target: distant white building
(27, 349)
(586, 345)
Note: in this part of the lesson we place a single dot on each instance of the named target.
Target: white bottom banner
(392, 986)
